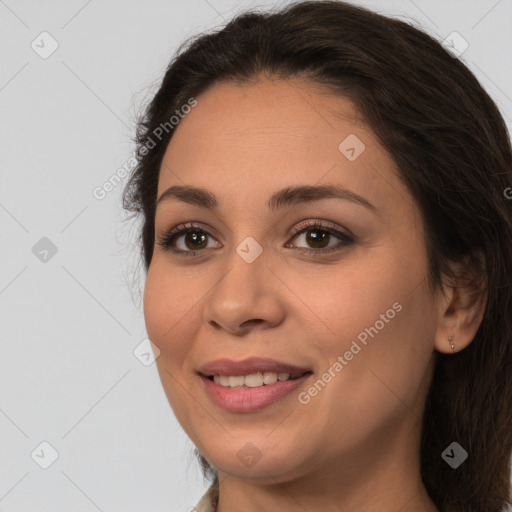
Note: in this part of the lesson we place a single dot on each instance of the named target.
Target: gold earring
(452, 344)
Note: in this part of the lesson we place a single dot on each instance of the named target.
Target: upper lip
(247, 366)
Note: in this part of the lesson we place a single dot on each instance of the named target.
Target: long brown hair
(453, 152)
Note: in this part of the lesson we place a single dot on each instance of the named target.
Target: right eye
(195, 239)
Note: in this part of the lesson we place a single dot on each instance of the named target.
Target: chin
(257, 459)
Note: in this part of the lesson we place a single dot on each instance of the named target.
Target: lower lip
(250, 399)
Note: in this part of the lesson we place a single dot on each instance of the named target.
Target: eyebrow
(288, 196)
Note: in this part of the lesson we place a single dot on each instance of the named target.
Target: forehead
(268, 134)
(293, 115)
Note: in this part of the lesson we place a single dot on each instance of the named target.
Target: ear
(462, 306)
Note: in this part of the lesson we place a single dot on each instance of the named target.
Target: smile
(253, 392)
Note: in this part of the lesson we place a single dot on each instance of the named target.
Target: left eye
(319, 236)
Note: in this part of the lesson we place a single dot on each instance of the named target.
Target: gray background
(70, 321)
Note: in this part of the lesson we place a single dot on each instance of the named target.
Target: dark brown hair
(453, 152)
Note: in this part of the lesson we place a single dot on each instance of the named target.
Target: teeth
(252, 380)
(236, 381)
(270, 378)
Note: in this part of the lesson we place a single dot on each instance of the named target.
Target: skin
(355, 445)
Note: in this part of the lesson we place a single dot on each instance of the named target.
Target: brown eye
(185, 239)
(190, 240)
(318, 236)
(195, 239)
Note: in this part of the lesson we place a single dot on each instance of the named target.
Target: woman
(328, 245)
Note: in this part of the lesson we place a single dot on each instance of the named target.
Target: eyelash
(167, 239)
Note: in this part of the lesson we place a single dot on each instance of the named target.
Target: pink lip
(250, 399)
(251, 365)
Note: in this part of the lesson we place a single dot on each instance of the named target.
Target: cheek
(377, 317)
(340, 302)
(168, 313)
(388, 375)
(154, 308)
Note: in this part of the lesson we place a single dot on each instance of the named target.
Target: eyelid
(320, 224)
(200, 226)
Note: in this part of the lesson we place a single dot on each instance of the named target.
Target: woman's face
(346, 303)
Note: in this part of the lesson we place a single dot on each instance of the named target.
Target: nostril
(255, 321)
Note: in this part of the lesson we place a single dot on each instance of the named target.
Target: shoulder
(205, 503)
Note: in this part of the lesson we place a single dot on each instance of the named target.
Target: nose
(245, 297)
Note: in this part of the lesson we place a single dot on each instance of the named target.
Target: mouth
(251, 384)
(243, 398)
